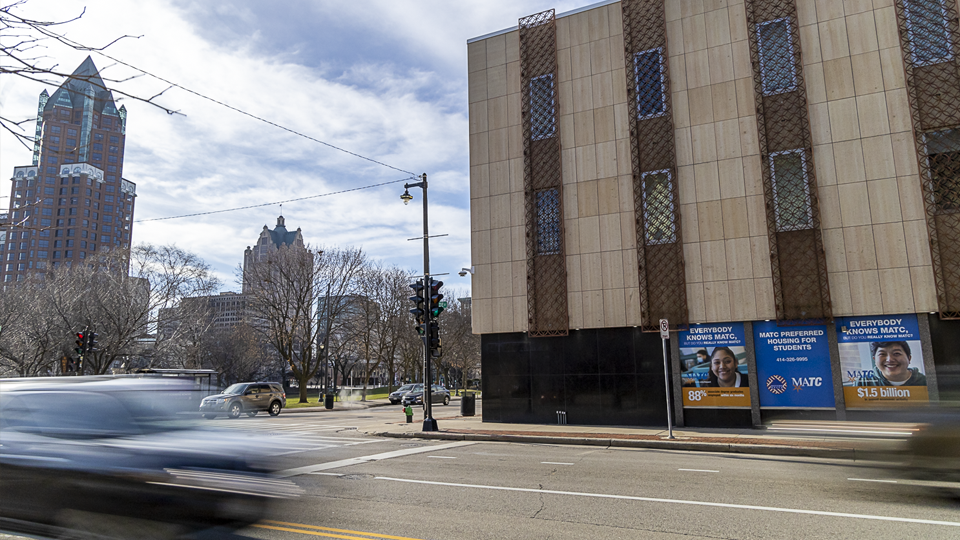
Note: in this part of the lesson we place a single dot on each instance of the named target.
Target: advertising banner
(881, 361)
(713, 361)
(793, 366)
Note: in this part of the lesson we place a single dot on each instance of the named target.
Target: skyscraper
(73, 200)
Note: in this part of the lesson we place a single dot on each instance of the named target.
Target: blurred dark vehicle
(933, 452)
(102, 457)
(397, 395)
(415, 397)
(247, 397)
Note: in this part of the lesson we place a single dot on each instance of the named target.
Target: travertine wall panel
(864, 156)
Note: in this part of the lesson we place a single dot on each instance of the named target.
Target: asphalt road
(358, 486)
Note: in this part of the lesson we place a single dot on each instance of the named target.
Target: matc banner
(713, 358)
(882, 361)
(793, 366)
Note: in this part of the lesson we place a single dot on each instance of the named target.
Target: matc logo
(806, 382)
(776, 385)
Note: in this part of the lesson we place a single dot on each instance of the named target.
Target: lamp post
(429, 423)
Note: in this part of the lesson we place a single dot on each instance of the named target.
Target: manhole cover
(356, 476)
(412, 445)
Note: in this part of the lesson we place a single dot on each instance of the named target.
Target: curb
(689, 446)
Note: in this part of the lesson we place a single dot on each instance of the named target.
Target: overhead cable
(275, 202)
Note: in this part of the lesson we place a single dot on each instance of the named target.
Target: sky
(383, 79)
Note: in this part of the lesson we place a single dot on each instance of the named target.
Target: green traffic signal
(435, 297)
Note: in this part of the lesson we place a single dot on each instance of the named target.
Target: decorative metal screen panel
(663, 288)
(797, 259)
(542, 178)
(929, 41)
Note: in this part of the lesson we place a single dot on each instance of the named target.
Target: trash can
(328, 401)
(468, 404)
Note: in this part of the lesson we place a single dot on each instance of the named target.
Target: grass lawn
(293, 399)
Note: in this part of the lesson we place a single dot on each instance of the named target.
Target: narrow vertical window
(791, 191)
(651, 84)
(778, 74)
(542, 107)
(943, 155)
(548, 222)
(658, 208)
(928, 31)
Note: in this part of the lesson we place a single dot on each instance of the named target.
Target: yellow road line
(314, 533)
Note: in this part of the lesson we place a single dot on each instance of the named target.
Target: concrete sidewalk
(834, 440)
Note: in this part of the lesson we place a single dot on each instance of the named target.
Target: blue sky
(385, 79)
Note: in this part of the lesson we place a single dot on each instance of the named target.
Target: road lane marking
(318, 528)
(680, 501)
(697, 470)
(442, 457)
(872, 480)
(554, 463)
(309, 469)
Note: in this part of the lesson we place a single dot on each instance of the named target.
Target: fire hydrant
(408, 410)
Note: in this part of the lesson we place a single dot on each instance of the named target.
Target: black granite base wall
(945, 339)
(610, 376)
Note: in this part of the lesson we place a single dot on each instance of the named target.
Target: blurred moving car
(246, 397)
(102, 457)
(397, 395)
(415, 397)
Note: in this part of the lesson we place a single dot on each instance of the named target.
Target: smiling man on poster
(881, 360)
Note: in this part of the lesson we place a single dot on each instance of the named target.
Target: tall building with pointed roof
(72, 201)
(270, 241)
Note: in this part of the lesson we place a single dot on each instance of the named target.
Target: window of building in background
(542, 107)
(651, 84)
(548, 222)
(928, 31)
(778, 73)
(791, 191)
(943, 153)
(658, 208)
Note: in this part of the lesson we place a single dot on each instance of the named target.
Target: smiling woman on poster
(891, 366)
(723, 370)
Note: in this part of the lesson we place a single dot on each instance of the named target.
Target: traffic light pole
(429, 423)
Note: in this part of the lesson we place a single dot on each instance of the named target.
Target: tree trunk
(302, 380)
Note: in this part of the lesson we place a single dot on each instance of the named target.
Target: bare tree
(236, 354)
(283, 301)
(461, 347)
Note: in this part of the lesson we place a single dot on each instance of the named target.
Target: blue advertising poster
(881, 359)
(793, 366)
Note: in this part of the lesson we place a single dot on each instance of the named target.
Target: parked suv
(246, 397)
(415, 397)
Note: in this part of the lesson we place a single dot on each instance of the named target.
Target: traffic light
(435, 344)
(81, 342)
(435, 298)
(418, 300)
(92, 342)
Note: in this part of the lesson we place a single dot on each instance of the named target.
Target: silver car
(247, 397)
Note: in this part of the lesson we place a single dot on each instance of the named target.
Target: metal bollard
(562, 418)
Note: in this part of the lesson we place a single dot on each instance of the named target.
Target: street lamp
(429, 423)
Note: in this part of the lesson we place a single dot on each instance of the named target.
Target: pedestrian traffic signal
(435, 298)
(434, 340)
(81, 344)
(418, 300)
(92, 342)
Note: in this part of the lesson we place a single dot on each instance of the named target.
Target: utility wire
(277, 202)
(245, 113)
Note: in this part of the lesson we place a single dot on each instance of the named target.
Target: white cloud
(383, 79)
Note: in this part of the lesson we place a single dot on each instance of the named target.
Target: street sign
(443, 304)
(664, 336)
